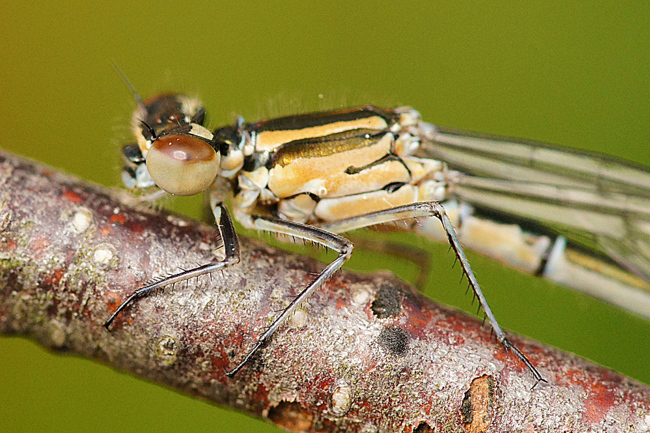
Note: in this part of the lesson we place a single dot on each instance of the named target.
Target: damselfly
(313, 176)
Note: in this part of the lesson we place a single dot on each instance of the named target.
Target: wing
(595, 200)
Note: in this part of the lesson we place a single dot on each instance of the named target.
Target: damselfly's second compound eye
(182, 164)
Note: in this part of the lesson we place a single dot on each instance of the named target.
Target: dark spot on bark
(423, 427)
(394, 340)
(387, 303)
(291, 416)
(466, 408)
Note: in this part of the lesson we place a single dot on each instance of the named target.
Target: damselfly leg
(231, 246)
(309, 233)
(325, 236)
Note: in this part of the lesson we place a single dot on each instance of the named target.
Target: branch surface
(365, 353)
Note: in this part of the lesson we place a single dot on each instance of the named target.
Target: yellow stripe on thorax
(271, 140)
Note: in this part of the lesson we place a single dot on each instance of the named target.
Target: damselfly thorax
(315, 168)
(313, 176)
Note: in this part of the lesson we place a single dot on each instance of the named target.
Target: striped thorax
(322, 167)
(312, 168)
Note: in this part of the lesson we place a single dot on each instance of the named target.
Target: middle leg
(314, 234)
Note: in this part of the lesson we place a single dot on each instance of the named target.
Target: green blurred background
(567, 72)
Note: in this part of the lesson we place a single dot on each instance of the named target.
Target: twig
(365, 353)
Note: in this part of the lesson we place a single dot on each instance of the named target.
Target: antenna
(128, 83)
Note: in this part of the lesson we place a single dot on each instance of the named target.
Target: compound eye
(182, 164)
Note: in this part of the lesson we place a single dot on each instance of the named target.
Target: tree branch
(365, 353)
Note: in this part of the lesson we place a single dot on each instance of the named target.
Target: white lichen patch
(299, 318)
(81, 219)
(103, 255)
(180, 222)
(57, 334)
(360, 296)
(341, 399)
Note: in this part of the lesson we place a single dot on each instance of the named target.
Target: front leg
(231, 246)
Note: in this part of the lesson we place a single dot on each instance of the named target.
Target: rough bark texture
(365, 353)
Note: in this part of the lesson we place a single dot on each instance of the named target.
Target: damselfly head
(174, 150)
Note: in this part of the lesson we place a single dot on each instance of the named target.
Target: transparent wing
(595, 200)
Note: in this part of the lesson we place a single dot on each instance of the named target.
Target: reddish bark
(365, 353)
